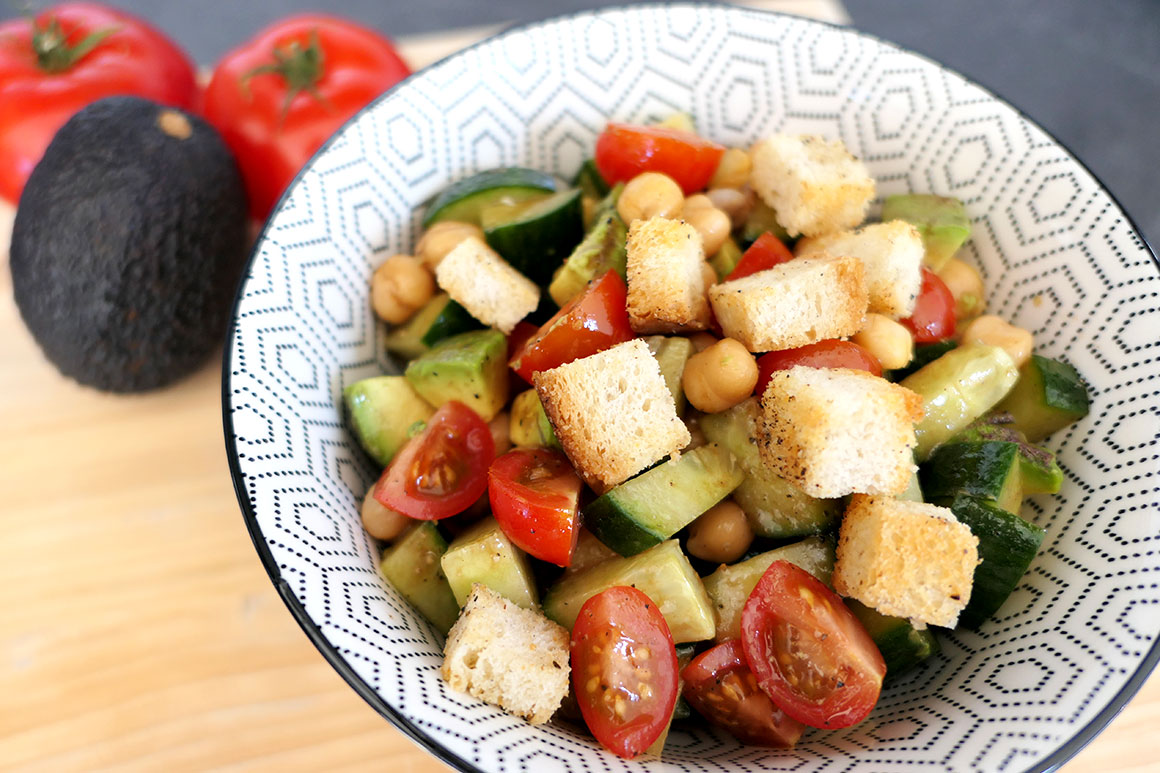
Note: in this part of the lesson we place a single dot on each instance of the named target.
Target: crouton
(612, 412)
(835, 431)
(793, 304)
(512, 657)
(476, 277)
(666, 281)
(814, 185)
(892, 254)
(906, 559)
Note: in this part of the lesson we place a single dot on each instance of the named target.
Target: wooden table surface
(138, 630)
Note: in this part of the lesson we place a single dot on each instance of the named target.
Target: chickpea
(702, 341)
(680, 121)
(965, 284)
(441, 238)
(400, 287)
(722, 533)
(380, 521)
(719, 377)
(712, 224)
(695, 202)
(732, 170)
(887, 340)
(499, 427)
(734, 203)
(650, 194)
(989, 329)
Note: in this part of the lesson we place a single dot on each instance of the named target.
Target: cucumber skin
(924, 354)
(452, 202)
(536, 248)
(1007, 546)
(902, 645)
(451, 321)
(981, 470)
(1048, 397)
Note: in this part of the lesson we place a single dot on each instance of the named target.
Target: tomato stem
(52, 49)
(301, 68)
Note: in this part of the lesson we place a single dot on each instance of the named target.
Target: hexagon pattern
(1058, 255)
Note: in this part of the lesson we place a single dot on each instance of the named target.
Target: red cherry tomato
(766, 251)
(442, 470)
(280, 95)
(830, 353)
(808, 651)
(623, 151)
(535, 497)
(934, 311)
(720, 686)
(624, 670)
(70, 55)
(519, 336)
(593, 321)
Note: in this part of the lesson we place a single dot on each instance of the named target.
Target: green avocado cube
(382, 411)
(470, 367)
(941, 220)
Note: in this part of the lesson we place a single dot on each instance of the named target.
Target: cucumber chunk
(1049, 396)
(529, 426)
(775, 507)
(729, 587)
(1007, 546)
(1039, 469)
(406, 340)
(382, 411)
(464, 200)
(902, 645)
(655, 505)
(941, 220)
(726, 259)
(662, 573)
(484, 554)
(413, 567)
(589, 180)
(990, 470)
(763, 218)
(671, 354)
(451, 320)
(535, 237)
(470, 367)
(924, 354)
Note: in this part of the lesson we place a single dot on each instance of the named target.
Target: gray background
(1086, 70)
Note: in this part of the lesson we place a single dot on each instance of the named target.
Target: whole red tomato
(65, 58)
(280, 95)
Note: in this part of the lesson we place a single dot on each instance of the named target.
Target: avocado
(128, 242)
(383, 409)
(529, 426)
(603, 248)
(941, 220)
(470, 367)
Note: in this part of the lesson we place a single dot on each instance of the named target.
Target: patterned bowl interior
(1058, 256)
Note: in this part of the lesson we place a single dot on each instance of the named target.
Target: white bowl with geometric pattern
(1058, 255)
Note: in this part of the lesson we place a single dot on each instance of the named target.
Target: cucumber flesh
(406, 341)
(763, 218)
(671, 354)
(655, 505)
(451, 320)
(535, 237)
(775, 507)
(1049, 396)
(729, 587)
(589, 180)
(902, 645)
(991, 470)
(913, 491)
(412, 566)
(924, 354)
(463, 201)
(484, 554)
(726, 259)
(662, 573)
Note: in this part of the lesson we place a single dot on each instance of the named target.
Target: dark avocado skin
(127, 246)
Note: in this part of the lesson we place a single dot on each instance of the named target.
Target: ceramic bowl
(1058, 255)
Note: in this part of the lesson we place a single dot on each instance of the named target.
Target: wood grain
(140, 632)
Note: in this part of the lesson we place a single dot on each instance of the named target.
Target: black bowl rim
(330, 652)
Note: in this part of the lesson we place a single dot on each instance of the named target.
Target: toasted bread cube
(906, 559)
(836, 431)
(793, 304)
(814, 185)
(892, 254)
(666, 278)
(476, 277)
(512, 657)
(612, 412)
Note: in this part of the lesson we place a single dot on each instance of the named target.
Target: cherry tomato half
(766, 251)
(623, 151)
(808, 651)
(830, 353)
(595, 320)
(934, 311)
(535, 497)
(70, 55)
(720, 686)
(624, 670)
(442, 470)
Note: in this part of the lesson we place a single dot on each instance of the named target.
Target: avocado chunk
(529, 426)
(129, 240)
(1049, 396)
(470, 367)
(382, 412)
(603, 249)
(941, 220)
(484, 554)
(412, 567)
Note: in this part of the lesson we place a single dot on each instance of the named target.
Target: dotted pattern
(1057, 255)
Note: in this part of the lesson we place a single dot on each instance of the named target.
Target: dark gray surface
(1087, 70)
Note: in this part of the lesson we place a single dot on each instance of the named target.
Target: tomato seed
(593, 683)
